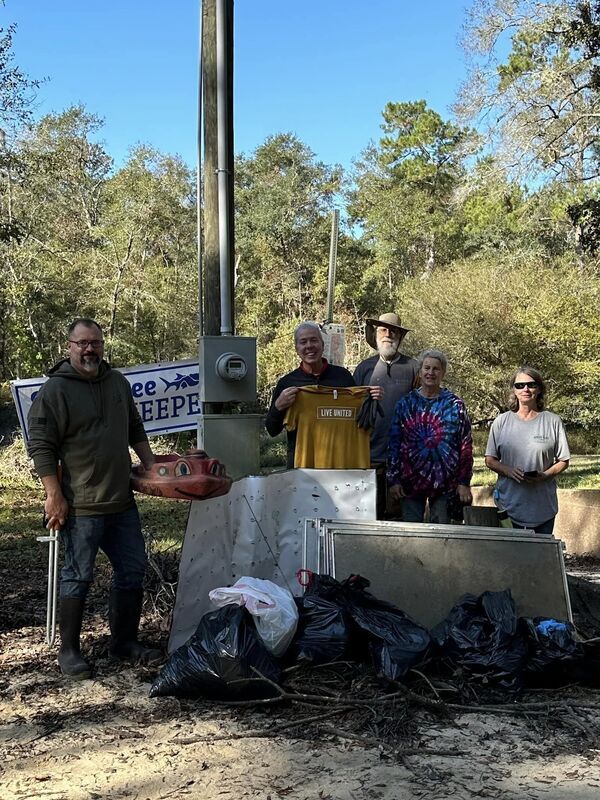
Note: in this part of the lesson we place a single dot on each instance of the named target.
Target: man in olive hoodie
(81, 424)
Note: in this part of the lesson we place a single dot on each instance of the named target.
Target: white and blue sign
(166, 396)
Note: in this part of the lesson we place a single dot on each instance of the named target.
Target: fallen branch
(438, 706)
(401, 752)
(427, 681)
(526, 708)
(259, 733)
(48, 732)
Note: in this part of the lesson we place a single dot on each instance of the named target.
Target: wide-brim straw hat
(388, 320)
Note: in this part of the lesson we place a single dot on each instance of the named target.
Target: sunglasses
(528, 384)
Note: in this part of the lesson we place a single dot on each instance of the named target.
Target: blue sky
(323, 69)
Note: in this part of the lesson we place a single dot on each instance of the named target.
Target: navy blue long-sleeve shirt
(332, 375)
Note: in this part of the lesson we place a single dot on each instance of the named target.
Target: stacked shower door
(425, 569)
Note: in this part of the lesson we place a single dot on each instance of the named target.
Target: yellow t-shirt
(327, 434)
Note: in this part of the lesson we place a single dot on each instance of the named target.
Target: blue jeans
(413, 509)
(118, 535)
(545, 527)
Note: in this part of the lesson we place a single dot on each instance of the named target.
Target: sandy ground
(106, 738)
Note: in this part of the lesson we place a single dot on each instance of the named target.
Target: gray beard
(90, 366)
(388, 351)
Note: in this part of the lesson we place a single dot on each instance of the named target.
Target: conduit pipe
(222, 171)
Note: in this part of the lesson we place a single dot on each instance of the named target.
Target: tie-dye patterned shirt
(430, 448)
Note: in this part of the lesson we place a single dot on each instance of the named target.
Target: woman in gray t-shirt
(528, 448)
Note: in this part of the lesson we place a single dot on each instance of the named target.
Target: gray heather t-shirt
(397, 379)
(534, 444)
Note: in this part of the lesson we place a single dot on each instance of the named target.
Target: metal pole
(335, 220)
(210, 211)
(51, 598)
(222, 169)
(52, 633)
(199, 182)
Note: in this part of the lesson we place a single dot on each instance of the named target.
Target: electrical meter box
(227, 369)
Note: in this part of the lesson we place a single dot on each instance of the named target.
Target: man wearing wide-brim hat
(397, 374)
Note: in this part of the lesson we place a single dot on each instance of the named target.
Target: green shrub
(16, 470)
(584, 441)
(273, 451)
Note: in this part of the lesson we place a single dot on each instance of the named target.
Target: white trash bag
(273, 608)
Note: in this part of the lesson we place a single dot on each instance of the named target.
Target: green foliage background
(484, 238)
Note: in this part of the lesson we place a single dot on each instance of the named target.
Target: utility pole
(226, 362)
(334, 335)
(333, 244)
(211, 271)
(230, 159)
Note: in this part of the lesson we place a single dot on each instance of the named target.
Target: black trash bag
(327, 587)
(481, 636)
(555, 656)
(396, 642)
(217, 661)
(323, 633)
(587, 671)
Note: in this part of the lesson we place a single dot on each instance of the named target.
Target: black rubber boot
(70, 660)
(124, 612)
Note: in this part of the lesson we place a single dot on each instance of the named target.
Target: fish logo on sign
(182, 381)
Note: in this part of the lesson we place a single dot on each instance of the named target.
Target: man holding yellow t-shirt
(314, 370)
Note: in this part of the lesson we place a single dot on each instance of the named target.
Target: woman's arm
(551, 472)
(394, 443)
(465, 457)
(514, 473)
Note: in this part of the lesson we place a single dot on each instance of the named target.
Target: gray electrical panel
(233, 439)
(227, 369)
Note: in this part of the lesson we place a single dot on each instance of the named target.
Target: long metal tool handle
(51, 600)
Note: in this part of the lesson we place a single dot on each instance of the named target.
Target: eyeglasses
(528, 384)
(84, 343)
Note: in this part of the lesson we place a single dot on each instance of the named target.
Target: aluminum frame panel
(424, 570)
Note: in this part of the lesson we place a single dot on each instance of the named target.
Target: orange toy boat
(191, 476)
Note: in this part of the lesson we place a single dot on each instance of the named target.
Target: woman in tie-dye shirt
(430, 450)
